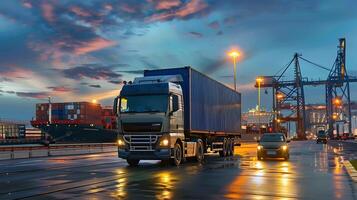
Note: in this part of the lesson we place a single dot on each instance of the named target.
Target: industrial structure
(289, 97)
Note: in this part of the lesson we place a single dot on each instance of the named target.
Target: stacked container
(81, 113)
(108, 118)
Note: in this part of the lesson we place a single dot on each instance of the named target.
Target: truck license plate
(272, 153)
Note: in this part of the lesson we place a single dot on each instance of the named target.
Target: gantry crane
(289, 97)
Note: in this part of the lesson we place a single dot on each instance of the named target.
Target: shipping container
(210, 106)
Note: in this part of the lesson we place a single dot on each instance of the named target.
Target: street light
(337, 101)
(259, 81)
(279, 96)
(234, 54)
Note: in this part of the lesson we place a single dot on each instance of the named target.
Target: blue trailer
(172, 114)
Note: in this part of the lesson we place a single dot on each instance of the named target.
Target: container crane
(289, 97)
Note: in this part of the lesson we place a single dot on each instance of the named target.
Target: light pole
(259, 81)
(234, 55)
(49, 110)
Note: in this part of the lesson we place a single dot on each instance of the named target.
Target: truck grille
(141, 142)
(142, 127)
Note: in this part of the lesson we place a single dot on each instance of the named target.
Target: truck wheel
(177, 154)
(200, 152)
(132, 162)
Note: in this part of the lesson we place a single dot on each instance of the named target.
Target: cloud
(116, 82)
(195, 34)
(47, 11)
(219, 33)
(167, 4)
(61, 89)
(214, 25)
(230, 20)
(35, 95)
(95, 86)
(93, 45)
(210, 66)
(190, 9)
(139, 71)
(14, 72)
(92, 71)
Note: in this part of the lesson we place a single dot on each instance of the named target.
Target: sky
(83, 50)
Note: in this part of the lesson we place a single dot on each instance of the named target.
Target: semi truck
(174, 114)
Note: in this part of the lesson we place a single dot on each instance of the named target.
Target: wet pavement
(314, 171)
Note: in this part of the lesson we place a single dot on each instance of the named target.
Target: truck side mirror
(115, 106)
(174, 104)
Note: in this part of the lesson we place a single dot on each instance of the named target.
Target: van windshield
(143, 103)
(321, 134)
(272, 138)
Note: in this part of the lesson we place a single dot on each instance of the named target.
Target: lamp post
(234, 55)
(49, 110)
(259, 81)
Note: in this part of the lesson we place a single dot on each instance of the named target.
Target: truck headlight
(284, 148)
(260, 147)
(120, 142)
(164, 142)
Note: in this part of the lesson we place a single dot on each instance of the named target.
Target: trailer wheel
(177, 154)
(133, 162)
(223, 153)
(231, 147)
(200, 151)
(227, 147)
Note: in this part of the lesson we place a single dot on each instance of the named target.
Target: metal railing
(30, 151)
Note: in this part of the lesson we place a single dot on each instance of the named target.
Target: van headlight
(284, 148)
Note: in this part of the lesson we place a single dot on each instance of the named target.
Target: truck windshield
(272, 138)
(143, 103)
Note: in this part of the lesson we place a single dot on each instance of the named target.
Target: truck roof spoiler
(158, 79)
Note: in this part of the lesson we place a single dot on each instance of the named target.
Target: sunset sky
(83, 50)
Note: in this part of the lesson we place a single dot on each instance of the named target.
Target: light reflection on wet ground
(315, 171)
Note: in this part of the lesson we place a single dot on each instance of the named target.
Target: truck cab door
(176, 113)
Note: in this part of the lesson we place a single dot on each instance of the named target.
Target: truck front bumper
(160, 154)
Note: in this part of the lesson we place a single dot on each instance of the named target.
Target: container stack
(108, 118)
(76, 113)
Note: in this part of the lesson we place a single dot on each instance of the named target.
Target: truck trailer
(173, 114)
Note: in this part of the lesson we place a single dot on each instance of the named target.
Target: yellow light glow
(337, 101)
(334, 116)
(284, 147)
(94, 101)
(279, 96)
(234, 54)
(120, 142)
(259, 80)
(164, 142)
(260, 147)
